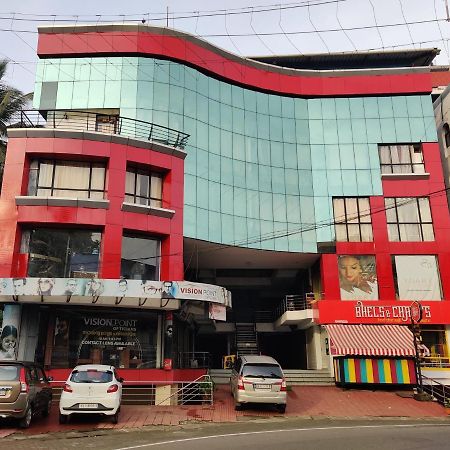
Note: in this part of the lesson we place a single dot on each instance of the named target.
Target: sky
(243, 27)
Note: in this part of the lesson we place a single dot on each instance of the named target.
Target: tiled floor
(309, 401)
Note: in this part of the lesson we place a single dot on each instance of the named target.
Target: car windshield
(9, 373)
(262, 371)
(91, 376)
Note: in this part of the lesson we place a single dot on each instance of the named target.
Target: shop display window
(124, 340)
(140, 258)
(61, 253)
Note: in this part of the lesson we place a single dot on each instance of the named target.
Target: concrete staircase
(296, 377)
(293, 377)
(246, 339)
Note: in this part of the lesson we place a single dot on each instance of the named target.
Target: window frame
(398, 224)
(157, 257)
(27, 247)
(348, 220)
(150, 174)
(33, 185)
(413, 147)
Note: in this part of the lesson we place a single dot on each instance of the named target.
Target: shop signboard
(382, 312)
(122, 340)
(118, 292)
(357, 277)
(418, 277)
(217, 312)
(10, 331)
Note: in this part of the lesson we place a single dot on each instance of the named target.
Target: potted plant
(447, 405)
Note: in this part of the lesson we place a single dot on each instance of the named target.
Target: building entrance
(288, 348)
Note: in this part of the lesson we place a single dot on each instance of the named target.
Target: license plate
(88, 405)
(263, 386)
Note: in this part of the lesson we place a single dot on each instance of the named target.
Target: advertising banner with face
(217, 312)
(358, 277)
(9, 338)
(82, 290)
(417, 277)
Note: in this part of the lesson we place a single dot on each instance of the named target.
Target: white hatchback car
(91, 389)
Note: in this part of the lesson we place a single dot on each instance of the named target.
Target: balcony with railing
(296, 310)
(83, 121)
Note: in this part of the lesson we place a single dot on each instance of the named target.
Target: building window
(417, 277)
(447, 135)
(74, 179)
(406, 158)
(105, 123)
(409, 219)
(352, 219)
(434, 339)
(140, 258)
(61, 253)
(143, 187)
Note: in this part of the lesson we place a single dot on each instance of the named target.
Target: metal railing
(435, 361)
(194, 360)
(437, 390)
(199, 391)
(296, 302)
(102, 123)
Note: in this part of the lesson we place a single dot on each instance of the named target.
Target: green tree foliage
(11, 101)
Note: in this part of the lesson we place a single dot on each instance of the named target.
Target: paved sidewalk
(303, 401)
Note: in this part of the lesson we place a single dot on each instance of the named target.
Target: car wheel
(47, 409)
(63, 419)
(238, 407)
(115, 418)
(281, 408)
(26, 420)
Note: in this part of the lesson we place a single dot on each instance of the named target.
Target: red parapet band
(194, 52)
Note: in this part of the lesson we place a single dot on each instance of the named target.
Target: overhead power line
(278, 33)
(173, 16)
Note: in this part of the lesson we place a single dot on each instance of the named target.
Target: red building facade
(272, 151)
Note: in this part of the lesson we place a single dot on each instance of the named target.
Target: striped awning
(371, 340)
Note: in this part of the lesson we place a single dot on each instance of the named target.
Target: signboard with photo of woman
(10, 332)
(358, 277)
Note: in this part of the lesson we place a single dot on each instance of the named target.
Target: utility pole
(167, 17)
(416, 316)
(446, 10)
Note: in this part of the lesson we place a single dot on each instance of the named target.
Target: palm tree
(11, 101)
